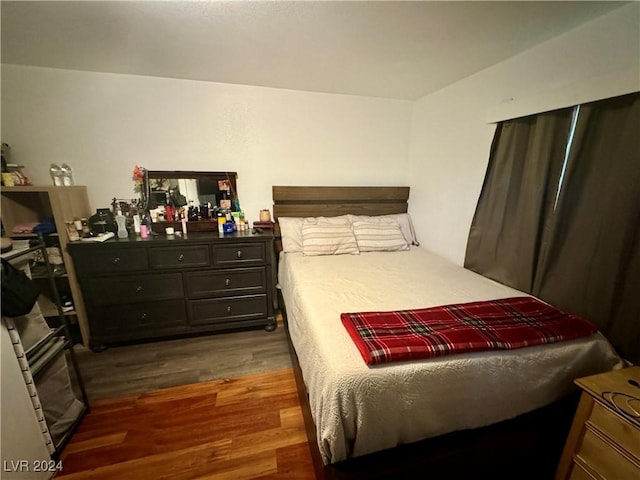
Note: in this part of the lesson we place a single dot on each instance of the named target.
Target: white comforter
(359, 409)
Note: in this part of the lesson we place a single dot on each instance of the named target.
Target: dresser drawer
(603, 458)
(179, 257)
(223, 310)
(239, 254)
(135, 288)
(109, 261)
(579, 473)
(146, 318)
(623, 433)
(216, 283)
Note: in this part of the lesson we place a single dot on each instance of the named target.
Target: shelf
(53, 312)
(16, 253)
(42, 276)
(34, 204)
(32, 352)
(47, 355)
(40, 271)
(49, 309)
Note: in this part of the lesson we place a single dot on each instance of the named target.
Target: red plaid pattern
(468, 327)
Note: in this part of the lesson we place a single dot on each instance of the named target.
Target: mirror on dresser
(199, 194)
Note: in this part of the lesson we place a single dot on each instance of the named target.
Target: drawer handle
(227, 282)
(181, 257)
(116, 260)
(143, 316)
(138, 288)
(239, 254)
(228, 308)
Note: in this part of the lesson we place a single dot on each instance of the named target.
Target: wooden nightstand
(604, 442)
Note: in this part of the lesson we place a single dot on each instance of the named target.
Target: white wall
(105, 124)
(450, 139)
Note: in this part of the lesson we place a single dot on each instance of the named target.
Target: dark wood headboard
(334, 201)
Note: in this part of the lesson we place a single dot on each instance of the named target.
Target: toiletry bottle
(144, 232)
(122, 225)
(67, 175)
(56, 175)
(192, 212)
(221, 222)
(86, 231)
(136, 224)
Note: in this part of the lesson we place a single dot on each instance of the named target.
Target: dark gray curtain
(519, 188)
(581, 253)
(590, 257)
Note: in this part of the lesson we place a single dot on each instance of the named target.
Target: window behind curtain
(559, 214)
(590, 256)
(519, 188)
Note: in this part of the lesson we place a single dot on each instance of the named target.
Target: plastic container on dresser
(163, 286)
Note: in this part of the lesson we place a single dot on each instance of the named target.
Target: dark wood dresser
(163, 286)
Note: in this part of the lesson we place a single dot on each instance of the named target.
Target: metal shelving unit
(36, 358)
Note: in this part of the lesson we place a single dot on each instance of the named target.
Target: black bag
(177, 199)
(19, 292)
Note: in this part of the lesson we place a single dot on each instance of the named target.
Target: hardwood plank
(246, 427)
(185, 464)
(96, 442)
(291, 417)
(293, 462)
(245, 446)
(238, 469)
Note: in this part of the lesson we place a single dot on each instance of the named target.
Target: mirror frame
(203, 225)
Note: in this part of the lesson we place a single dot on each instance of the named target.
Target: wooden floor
(150, 366)
(242, 428)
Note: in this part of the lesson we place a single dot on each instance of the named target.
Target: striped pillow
(379, 237)
(320, 238)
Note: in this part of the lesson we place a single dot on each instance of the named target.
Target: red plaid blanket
(468, 327)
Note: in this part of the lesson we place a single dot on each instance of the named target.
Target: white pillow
(402, 219)
(291, 230)
(322, 237)
(291, 233)
(379, 236)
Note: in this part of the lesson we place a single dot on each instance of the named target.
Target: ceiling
(401, 50)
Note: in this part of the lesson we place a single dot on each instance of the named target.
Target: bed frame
(527, 447)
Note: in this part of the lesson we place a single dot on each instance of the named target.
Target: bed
(395, 419)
